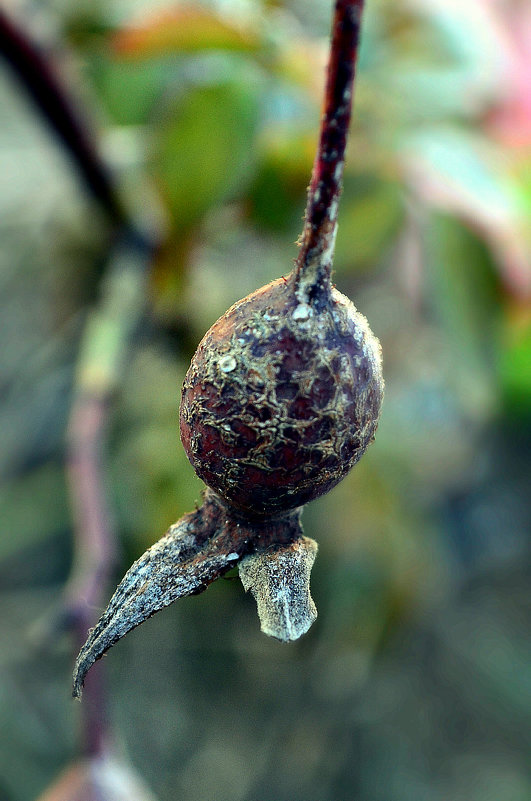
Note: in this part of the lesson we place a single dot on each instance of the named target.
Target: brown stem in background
(314, 262)
(106, 343)
(45, 89)
(94, 546)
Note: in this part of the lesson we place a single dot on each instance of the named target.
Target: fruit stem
(314, 263)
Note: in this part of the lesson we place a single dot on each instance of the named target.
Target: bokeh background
(414, 684)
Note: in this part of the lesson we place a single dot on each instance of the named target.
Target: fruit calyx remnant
(199, 548)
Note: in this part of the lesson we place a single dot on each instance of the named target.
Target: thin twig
(95, 547)
(107, 338)
(314, 262)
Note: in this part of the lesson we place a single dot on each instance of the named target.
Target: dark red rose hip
(281, 398)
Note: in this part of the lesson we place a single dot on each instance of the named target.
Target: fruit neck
(313, 265)
(259, 523)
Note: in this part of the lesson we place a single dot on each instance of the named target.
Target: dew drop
(302, 312)
(227, 364)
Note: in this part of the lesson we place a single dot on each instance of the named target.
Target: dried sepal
(279, 579)
(195, 551)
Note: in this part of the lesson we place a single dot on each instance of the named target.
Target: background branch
(106, 342)
(44, 86)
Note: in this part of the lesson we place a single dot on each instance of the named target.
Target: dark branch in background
(94, 545)
(105, 344)
(45, 89)
(314, 262)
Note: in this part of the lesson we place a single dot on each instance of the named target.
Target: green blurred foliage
(414, 684)
(203, 150)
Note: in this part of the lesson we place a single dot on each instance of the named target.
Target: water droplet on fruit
(227, 364)
(302, 312)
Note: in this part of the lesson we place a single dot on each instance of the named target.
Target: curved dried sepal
(279, 579)
(194, 552)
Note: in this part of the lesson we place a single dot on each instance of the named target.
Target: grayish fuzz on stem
(279, 579)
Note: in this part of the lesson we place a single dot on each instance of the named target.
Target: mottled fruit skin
(281, 399)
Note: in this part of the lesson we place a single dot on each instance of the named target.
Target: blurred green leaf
(278, 193)
(369, 219)
(204, 149)
(515, 363)
(33, 507)
(130, 91)
(463, 291)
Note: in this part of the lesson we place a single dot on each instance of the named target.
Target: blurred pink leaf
(463, 173)
(98, 779)
(479, 47)
(511, 120)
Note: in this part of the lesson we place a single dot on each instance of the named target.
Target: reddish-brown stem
(314, 262)
(94, 547)
(107, 338)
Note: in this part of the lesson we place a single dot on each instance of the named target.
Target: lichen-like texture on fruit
(281, 399)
